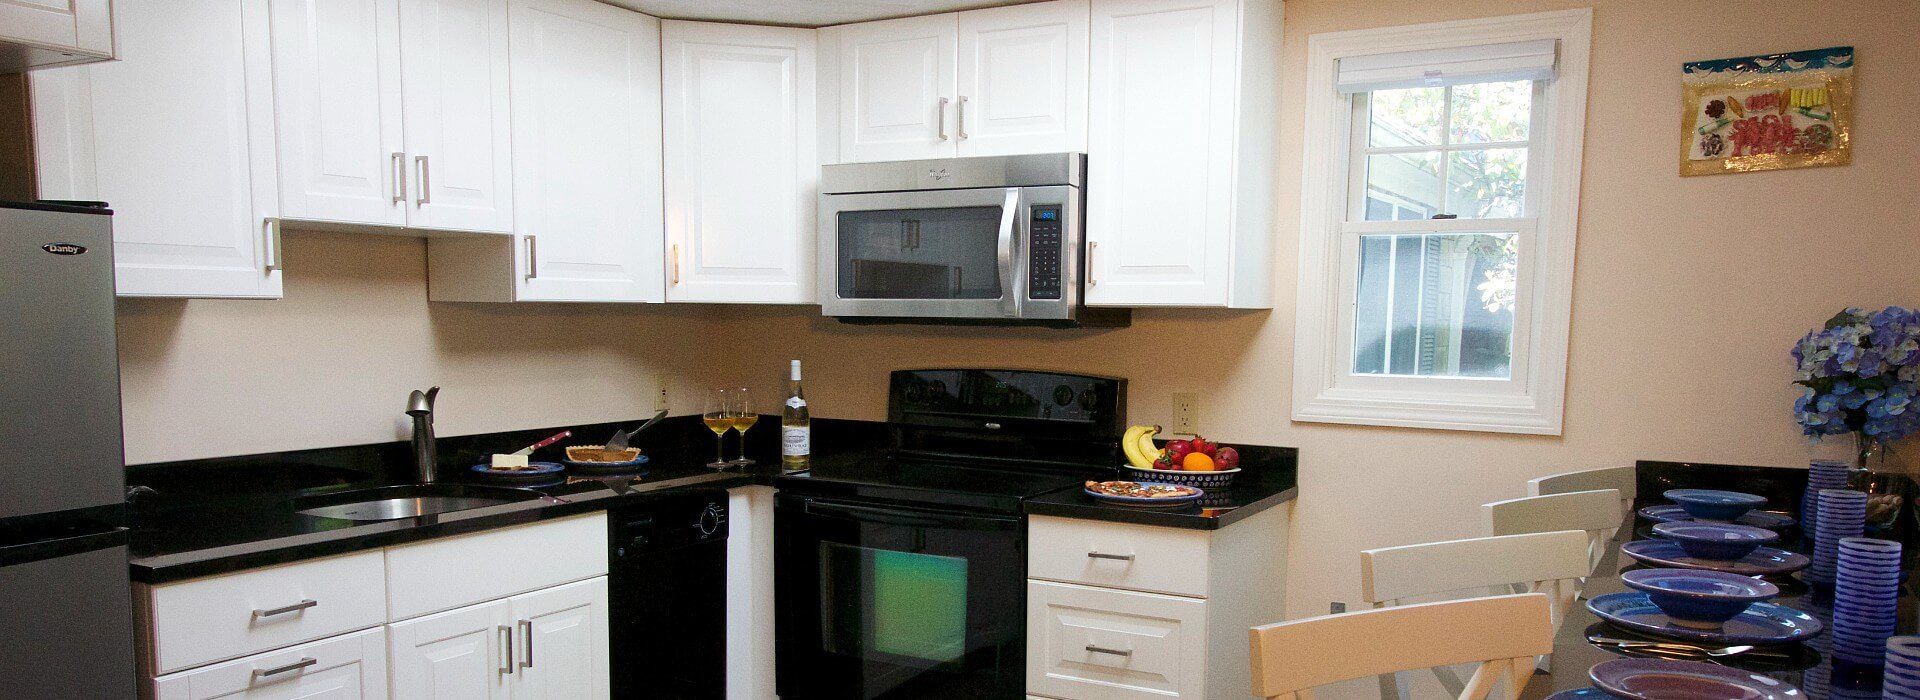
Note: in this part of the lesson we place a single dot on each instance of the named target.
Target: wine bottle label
(796, 402)
(796, 440)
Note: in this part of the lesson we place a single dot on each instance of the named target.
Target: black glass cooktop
(956, 482)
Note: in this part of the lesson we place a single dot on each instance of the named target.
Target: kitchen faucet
(425, 454)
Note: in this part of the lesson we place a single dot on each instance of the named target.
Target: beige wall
(1687, 294)
(332, 362)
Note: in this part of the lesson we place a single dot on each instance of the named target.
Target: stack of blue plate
(1902, 681)
(1822, 474)
(1843, 514)
(1865, 593)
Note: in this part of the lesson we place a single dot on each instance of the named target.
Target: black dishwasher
(667, 597)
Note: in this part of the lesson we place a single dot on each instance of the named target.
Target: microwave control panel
(1043, 265)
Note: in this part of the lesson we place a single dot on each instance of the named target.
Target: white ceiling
(801, 13)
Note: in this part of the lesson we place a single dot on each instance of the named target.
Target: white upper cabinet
(1022, 79)
(586, 165)
(177, 138)
(1179, 180)
(55, 32)
(453, 57)
(741, 164)
(896, 88)
(998, 81)
(338, 116)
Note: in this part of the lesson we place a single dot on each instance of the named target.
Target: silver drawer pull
(1115, 557)
(1116, 652)
(284, 609)
(277, 670)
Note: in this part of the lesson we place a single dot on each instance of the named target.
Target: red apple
(1227, 458)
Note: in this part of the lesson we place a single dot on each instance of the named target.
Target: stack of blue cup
(1822, 474)
(1843, 514)
(1902, 680)
(1865, 593)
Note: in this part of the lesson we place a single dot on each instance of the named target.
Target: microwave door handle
(1010, 283)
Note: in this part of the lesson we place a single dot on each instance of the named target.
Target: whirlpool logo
(64, 248)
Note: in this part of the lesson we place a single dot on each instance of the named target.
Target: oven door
(881, 600)
(931, 254)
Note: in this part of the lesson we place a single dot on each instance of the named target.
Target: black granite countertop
(1268, 478)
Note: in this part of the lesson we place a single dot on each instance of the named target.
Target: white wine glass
(743, 418)
(719, 419)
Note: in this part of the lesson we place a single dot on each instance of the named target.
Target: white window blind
(1520, 60)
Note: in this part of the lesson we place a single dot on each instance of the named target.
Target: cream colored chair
(1596, 513)
(1551, 563)
(1502, 633)
(1624, 479)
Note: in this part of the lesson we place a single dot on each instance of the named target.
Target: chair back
(1595, 512)
(1501, 633)
(1543, 562)
(1624, 479)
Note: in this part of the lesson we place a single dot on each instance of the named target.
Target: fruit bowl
(1206, 480)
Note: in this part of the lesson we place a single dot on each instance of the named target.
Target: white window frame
(1531, 399)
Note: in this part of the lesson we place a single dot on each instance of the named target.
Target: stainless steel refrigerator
(66, 612)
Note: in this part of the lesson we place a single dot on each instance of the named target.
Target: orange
(1197, 462)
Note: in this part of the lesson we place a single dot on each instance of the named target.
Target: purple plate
(1758, 518)
(1765, 561)
(1665, 679)
(1760, 623)
(535, 471)
(1587, 693)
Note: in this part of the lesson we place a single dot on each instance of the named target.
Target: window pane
(1487, 183)
(1435, 304)
(1485, 112)
(1409, 180)
(1410, 117)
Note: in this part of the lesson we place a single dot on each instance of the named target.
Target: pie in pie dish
(595, 453)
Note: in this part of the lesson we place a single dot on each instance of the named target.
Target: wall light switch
(1186, 413)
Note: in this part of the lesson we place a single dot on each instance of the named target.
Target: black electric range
(901, 571)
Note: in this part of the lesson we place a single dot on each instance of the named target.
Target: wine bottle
(796, 430)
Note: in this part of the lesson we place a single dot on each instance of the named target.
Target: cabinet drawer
(1118, 555)
(447, 573)
(1099, 644)
(232, 615)
(347, 666)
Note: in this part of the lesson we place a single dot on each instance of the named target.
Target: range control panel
(1043, 262)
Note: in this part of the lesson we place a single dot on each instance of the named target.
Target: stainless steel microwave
(989, 240)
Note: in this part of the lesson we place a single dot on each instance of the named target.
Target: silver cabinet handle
(1115, 557)
(533, 258)
(277, 670)
(960, 115)
(284, 609)
(526, 630)
(271, 230)
(426, 195)
(1116, 652)
(1091, 246)
(506, 649)
(943, 119)
(399, 177)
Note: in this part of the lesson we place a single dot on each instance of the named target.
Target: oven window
(881, 604)
(920, 254)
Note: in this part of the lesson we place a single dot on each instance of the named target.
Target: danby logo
(64, 248)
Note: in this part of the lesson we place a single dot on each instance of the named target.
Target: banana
(1148, 452)
(1130, 444)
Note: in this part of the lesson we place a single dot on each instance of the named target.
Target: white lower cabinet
(562, 638)
(347, 667)
(1087, 642)
(459, 654)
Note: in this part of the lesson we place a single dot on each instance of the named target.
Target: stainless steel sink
(409, 501)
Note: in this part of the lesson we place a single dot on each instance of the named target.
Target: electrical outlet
(661, 403)
(1186, 413)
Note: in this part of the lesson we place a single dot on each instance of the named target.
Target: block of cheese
(501, 461)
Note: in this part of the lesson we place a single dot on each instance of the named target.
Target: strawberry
(1200, 445)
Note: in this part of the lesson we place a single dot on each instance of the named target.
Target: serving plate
(1662, 679)
(1760, 623)
(1765, 561)
(535, 471)
(1145, 502)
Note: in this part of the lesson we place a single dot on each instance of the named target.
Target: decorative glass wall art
(1784, 110)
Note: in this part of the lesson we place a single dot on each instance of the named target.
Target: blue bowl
(1708, 504)
(1697, 598)
(1715, 541)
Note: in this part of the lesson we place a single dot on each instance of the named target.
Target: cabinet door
(81, 25)
(336, 85)
(562, 633)
(896, 89)
(453, 55)
(1023, 79)
(740, 162)
(347, 667)
(586, 152)
(1086, 642)
(1160, 152)
(460, 654)
(177, 137)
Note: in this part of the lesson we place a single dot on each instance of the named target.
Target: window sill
(1476, 413)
